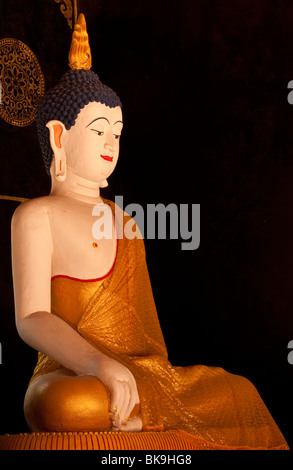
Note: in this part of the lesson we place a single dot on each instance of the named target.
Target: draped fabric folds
(117, 315)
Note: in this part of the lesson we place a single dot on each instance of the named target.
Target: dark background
(204, 91)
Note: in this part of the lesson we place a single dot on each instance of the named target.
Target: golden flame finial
(80, 57)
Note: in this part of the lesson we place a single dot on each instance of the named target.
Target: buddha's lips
(107, 158)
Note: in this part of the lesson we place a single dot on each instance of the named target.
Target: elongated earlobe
(57, 129)
(60, 167)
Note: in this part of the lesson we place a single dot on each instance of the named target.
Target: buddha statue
(87, 305)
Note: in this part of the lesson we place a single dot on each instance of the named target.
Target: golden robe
(117, 315)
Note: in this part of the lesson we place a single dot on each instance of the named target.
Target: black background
(207, 121)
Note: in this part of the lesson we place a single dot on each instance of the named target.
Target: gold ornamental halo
(69, 9)
(22, 82)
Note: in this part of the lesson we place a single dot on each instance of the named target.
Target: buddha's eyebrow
(117, 122)
(97, 120)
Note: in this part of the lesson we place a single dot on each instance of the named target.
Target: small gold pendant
(95, 245)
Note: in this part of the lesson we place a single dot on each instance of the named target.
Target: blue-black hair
(64, 102)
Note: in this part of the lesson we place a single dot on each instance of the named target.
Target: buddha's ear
(57, 129)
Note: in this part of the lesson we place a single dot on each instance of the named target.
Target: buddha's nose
(109, 142)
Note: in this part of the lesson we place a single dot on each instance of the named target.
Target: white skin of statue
(53, 235)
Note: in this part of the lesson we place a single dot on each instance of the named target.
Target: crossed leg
(60, 401)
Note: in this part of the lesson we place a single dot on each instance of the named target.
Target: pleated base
(167, 440)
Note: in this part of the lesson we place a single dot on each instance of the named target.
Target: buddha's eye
(117, 136)
(100, 133)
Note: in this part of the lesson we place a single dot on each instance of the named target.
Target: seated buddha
(87, 306)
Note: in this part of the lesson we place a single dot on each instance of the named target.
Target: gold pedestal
(167, 440)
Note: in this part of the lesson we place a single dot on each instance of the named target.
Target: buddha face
(92, 145)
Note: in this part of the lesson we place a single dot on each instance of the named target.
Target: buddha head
(80, 115)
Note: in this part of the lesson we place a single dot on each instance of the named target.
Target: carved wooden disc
(21, 82)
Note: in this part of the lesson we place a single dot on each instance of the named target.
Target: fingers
(119, 397)
(123, 400)
(124, 410)
(117, 401)
(120, 402)
(132, 425)
(134, 394)
(124, 394)
(134, 399)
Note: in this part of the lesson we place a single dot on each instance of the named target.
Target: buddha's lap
(62, 401)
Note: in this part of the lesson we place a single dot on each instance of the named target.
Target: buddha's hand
(124, 394)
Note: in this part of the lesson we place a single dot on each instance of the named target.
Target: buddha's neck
(77, 187)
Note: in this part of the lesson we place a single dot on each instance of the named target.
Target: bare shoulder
(32, 214)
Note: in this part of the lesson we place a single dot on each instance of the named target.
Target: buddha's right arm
(31, 266)
(54, 337)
